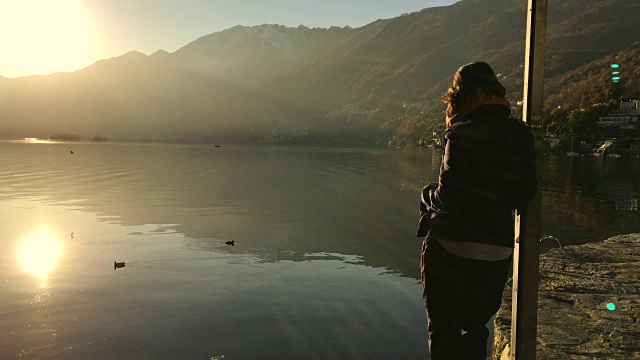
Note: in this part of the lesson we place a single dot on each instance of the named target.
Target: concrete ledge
(576, 284)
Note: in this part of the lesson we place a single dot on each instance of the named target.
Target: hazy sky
(45, 36)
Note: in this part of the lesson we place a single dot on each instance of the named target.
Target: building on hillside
(625, 118)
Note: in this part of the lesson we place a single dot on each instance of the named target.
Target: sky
(47, 36)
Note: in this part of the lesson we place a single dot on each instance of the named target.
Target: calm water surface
(325, 262)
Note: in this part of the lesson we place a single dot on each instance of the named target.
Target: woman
(488, 170)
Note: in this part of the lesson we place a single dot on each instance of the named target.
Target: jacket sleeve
(449, 193)
(424, 198)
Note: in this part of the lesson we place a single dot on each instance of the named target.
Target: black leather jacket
(488, 170)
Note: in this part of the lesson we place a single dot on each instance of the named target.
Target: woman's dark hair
(467, 80)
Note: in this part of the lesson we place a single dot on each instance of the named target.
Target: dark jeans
(461, 295)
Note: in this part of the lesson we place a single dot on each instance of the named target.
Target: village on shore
(614, 134)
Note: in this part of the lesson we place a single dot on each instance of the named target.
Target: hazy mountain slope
(397, 60)
(249, 54)
(271, 83)
(132, 96)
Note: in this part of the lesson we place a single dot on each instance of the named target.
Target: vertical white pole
(524, 315)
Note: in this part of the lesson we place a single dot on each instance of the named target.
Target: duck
(117, 265)
(232, 242)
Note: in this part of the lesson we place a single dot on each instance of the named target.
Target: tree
(585, 121)
(614, 91)
(555, 122)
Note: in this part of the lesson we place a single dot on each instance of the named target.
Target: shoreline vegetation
(588, 303)
(622, 146)
(70, 137)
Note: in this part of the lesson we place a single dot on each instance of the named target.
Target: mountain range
(376, 84)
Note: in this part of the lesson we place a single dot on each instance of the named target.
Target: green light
(615, 73)
(611, 306)
(615, 66)
(615, 78)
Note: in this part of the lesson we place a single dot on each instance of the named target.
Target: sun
(39, 252)
(44, 36)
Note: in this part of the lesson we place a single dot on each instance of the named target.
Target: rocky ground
(576, 285)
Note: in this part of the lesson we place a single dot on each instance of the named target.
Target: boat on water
(571, 152)
(604, 149)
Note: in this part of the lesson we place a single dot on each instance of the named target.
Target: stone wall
(576, 285)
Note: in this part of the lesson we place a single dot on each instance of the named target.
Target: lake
(325, 264)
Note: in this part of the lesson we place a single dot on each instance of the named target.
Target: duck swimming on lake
(232, 242)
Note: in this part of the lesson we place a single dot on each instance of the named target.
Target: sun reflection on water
(38, 253)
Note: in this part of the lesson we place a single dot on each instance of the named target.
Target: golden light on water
(39, 252)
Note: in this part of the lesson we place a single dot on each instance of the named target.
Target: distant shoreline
(231, 143)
